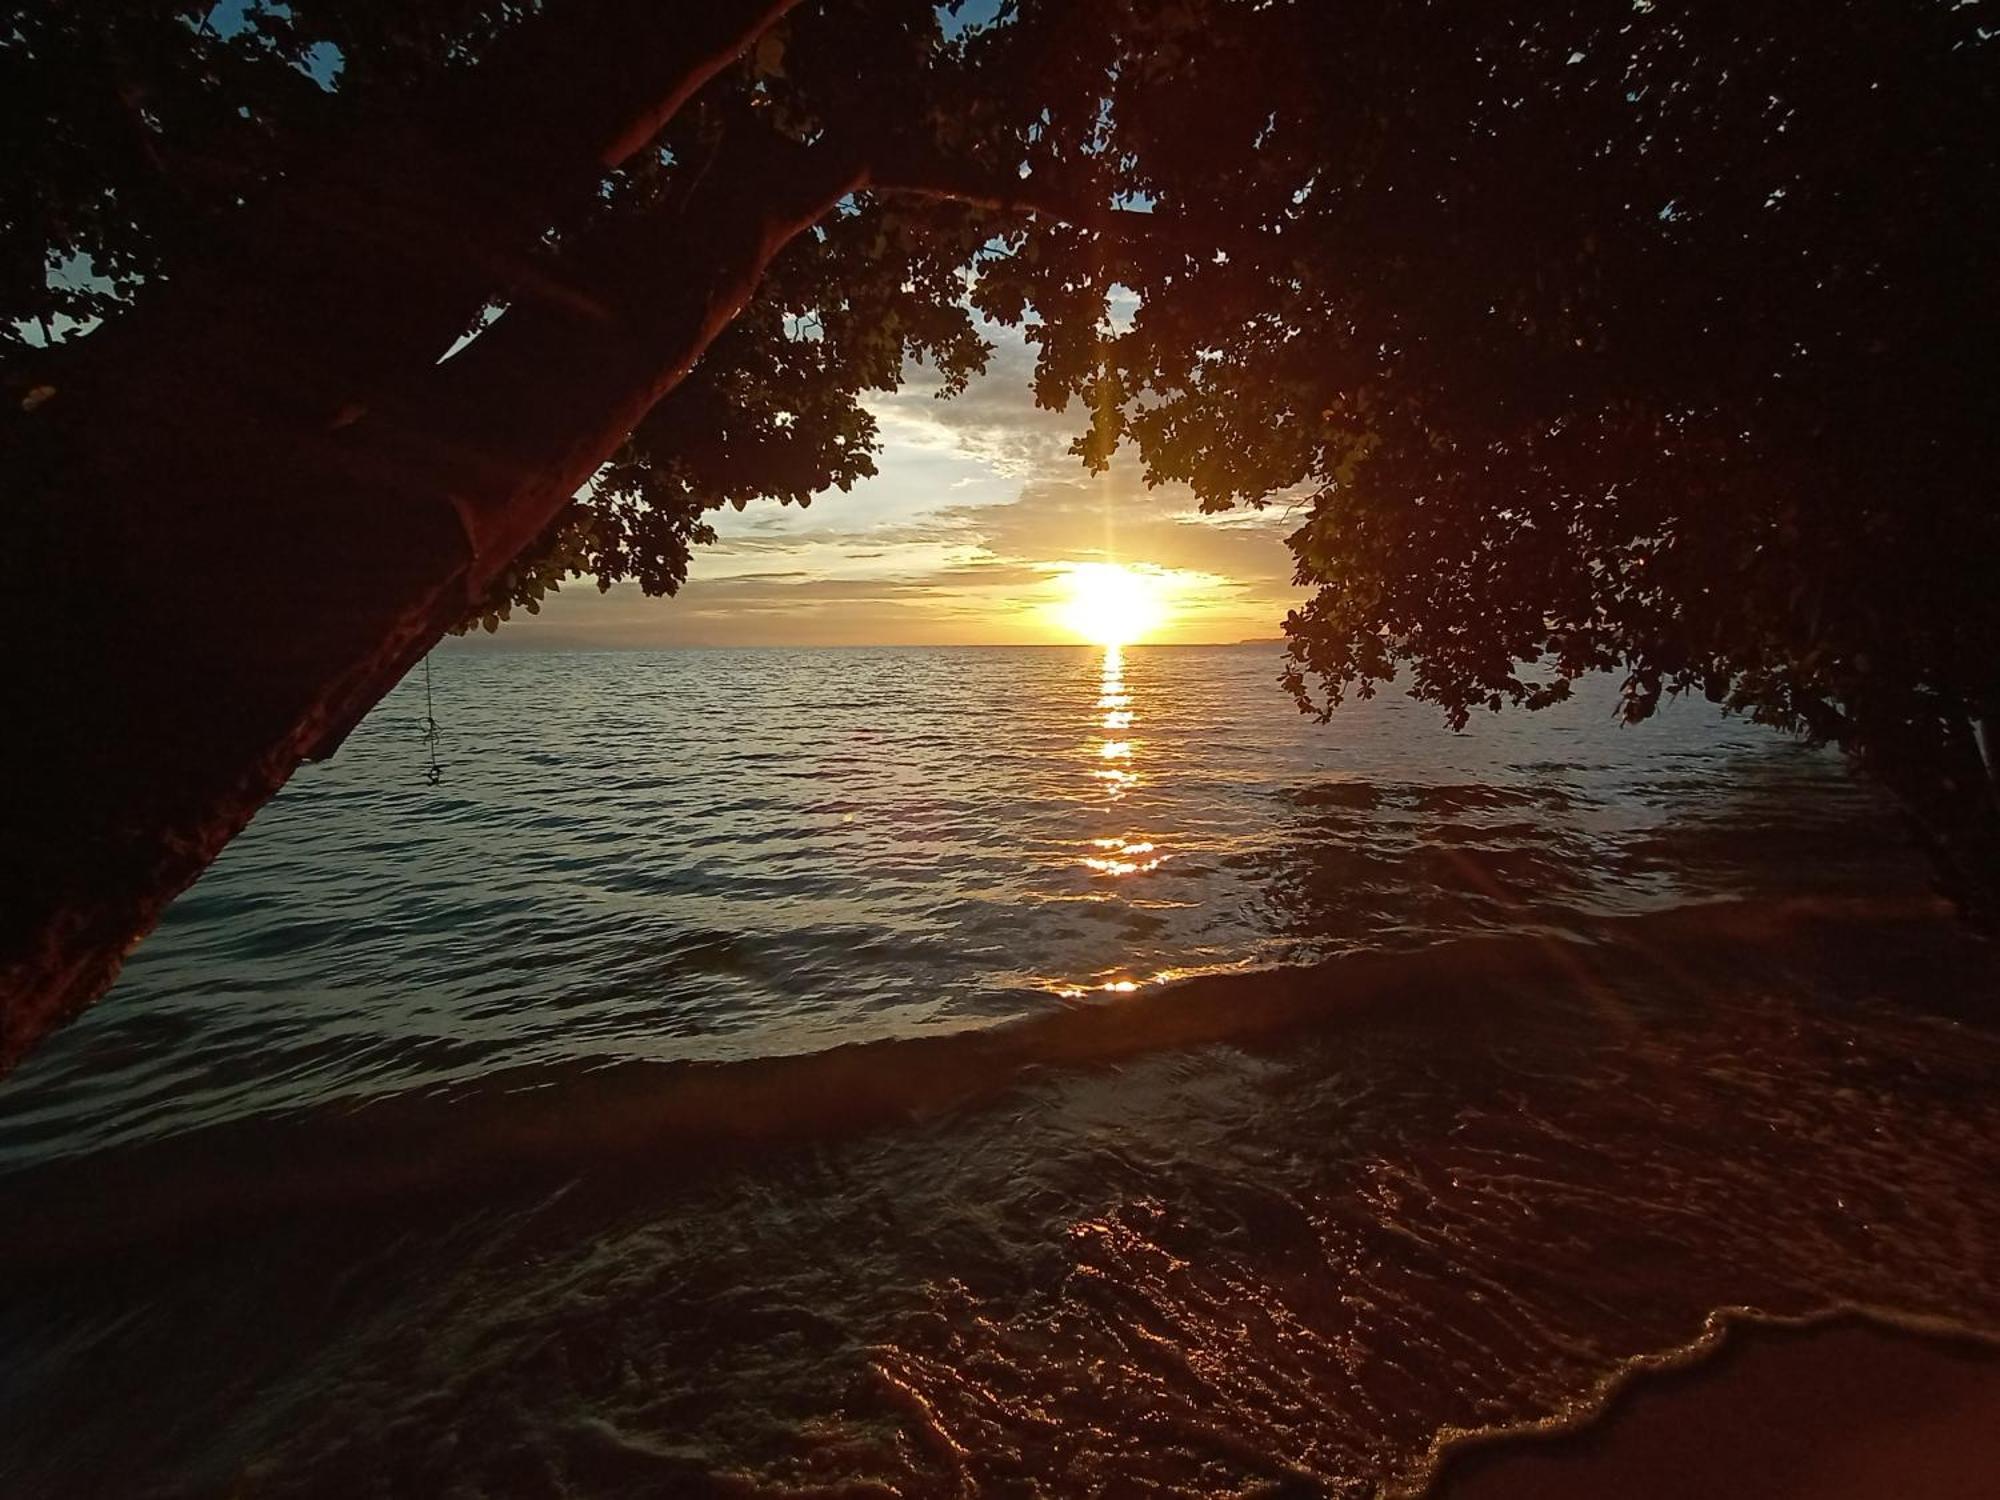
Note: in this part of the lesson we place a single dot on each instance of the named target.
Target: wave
(1457, 1455)
(531, 1125)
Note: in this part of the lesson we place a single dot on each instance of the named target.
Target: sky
(969, 535)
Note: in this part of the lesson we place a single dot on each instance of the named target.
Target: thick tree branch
(272, 581)
(948, 182)
(546, 394)
(367, 261)
(276, 570)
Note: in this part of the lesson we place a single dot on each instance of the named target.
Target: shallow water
(601, 1122)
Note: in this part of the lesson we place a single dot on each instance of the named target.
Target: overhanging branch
(946, 182)
(528, 411)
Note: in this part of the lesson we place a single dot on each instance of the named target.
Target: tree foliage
(1647, 336)
(1598, 334)
(1595, 335)
(167, 122)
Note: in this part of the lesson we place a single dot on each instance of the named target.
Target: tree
(1513, 298)
(1642, 336)
(253, 497)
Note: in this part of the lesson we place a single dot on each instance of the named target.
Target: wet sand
(1844, 1412)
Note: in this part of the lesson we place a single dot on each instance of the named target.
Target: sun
(1110, 604)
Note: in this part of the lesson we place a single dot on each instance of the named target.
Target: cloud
(962, 537)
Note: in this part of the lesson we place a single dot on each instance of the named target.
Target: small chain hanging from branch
(434, 772)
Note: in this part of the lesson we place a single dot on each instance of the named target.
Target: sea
(980, 1072)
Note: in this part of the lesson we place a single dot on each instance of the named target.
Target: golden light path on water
(1113, 605)
(1112, 753)
(1116, 773)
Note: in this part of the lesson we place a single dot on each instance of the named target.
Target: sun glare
(1110, 604)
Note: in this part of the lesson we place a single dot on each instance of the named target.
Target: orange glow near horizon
(1109, 604)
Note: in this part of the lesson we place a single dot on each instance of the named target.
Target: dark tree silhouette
(1590, 334)
(1657, 337)
(245, 504)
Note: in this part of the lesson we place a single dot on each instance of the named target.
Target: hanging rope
(434, 773)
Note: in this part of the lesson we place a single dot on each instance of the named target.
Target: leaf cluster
(1650, 336)
(1605, 333)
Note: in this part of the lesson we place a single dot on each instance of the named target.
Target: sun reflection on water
(1122, 856)
(1112, 753)
(1112, 697)
(1125, 854)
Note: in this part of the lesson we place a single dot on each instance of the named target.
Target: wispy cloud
(964, 536)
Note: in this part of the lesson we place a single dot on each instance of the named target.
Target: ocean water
(964, 1072)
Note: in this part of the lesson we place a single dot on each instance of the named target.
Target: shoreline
(1850, 1405)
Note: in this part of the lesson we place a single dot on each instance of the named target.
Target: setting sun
(1110, 604)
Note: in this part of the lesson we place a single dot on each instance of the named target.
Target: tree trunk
(1937, 768)
(215, 582)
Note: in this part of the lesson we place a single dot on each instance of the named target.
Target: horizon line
(491, 643)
